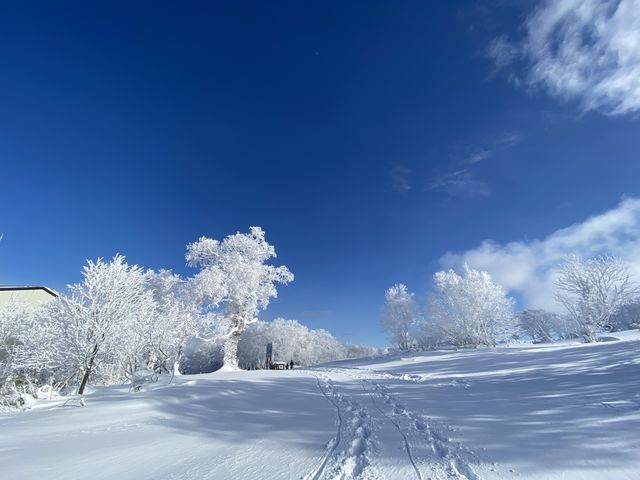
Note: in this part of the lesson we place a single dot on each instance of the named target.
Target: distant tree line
(290, 340)
(471, 309)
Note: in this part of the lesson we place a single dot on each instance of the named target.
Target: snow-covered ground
(536, 412)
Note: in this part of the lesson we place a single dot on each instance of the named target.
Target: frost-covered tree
(174, 323)
(291, 341)
(399, 315)
(92, 330)
(358, 351)
(567, 327)
(235, 278)
(14, 320)
(324, 347)
(627, 317)
(469, 309)
(540, 325)
(592, 290)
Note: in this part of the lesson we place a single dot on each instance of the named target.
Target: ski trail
(347, 455)
(448, 460)
(333, 443)
(449, 455)
(407, 445)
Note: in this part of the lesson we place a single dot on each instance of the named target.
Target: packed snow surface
(562, 411)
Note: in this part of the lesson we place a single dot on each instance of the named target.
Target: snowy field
(561, 411)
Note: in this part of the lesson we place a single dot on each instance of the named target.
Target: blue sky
(367, 138)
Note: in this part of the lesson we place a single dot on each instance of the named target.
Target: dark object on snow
(269, 355)
(278, 365)
(291, 364)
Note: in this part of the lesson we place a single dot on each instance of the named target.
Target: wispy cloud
(460, 183)
(474, 155)
(468, 153)
(529, 268)
(400, 178)
(581, 50)
(507, 139)
(502, 51)
(461, 180)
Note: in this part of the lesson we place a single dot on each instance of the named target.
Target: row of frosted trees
(471, 309)
(122, 319)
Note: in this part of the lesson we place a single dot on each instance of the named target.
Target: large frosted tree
(399, 315)
(236, 281)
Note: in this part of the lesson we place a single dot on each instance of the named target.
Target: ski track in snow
(407, 445)
(348, 453)
(333, 443)
(441, 458)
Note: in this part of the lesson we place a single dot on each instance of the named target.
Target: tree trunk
(87, 372)
(176, 365)
(231, 351)
(231, 345)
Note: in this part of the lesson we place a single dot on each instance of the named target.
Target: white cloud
(582, 50)
(460, 183)
(528, 268)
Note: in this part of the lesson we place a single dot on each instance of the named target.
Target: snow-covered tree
(567, 327)
(592, 290)
(469, 309)
(14, 319)
(235, 278)
(93, 330)
(358, 351)
(174, 323)
(540, 325)
(291, 341)
(399, 315)
(627, 317)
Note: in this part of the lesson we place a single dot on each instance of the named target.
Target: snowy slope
(536, 412)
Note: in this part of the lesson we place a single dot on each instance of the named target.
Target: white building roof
(33, 295)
